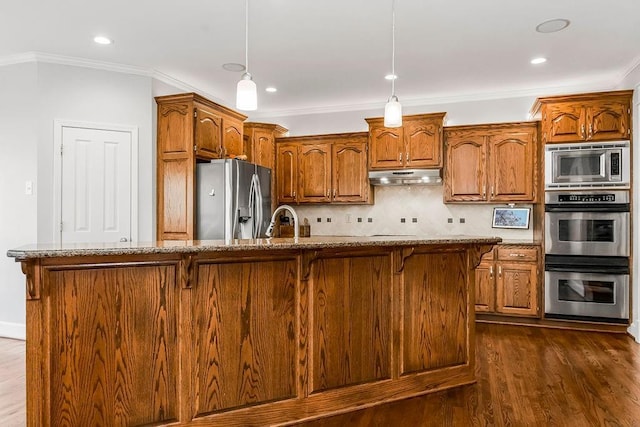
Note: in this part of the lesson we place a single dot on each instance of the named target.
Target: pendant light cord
(393, 47)
(246, 37)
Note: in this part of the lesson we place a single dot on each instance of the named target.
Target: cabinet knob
(582, 131)
(491, 271)
(499, 271)
(517, 255)
(334, 193)
(400, 158)
(590, 130)
(408, 159)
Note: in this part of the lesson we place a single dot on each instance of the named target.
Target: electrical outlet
(359, 219)
(369, 219)
(329, 219)
(414, 219)
(462, 220)
(318, 219)
(449, 220)
(403, 220)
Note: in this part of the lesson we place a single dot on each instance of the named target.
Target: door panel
(512, 166)
(95, 185)
(287, 173)
(315, 173)
(466, 168)
(387, 148)
(423, 145)
(350, 183)
(208, 134)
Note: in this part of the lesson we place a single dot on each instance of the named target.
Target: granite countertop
(195, 246)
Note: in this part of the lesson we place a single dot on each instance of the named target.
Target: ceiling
(333, 54)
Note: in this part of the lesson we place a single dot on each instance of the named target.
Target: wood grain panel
(208, 133)
(287, 173)
(512, 165)
(517, 289)
(608, 119)
(178, 204)
(350, 342)
(174, 128)
(245, 334)
(114, 345)
(232, 140)
(424, 144)
(485, 287)
(465, 173)
(567, 121)
(386, 148)
(349, 172)
(315, 173)
(434, 311)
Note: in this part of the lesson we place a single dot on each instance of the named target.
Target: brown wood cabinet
(323, 169)
(491, 163)
(260, 147)
(417, 144)
(190, 128)
(507, 281)
(245, 334)
(602, 116)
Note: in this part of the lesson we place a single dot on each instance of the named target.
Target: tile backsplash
(411, 210)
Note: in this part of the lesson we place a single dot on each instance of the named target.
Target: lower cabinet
(507, 281)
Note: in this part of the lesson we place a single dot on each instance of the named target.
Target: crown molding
(179, 84)
(74, 61)
(635, 64)
(602, 85)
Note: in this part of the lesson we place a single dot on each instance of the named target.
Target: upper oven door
(587, 233)
(587, 166)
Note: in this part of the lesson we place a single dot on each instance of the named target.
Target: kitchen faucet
(296, 227)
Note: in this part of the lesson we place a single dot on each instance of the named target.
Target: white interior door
(95, 185)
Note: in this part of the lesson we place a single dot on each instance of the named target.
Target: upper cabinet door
(174, 128)
(349, 170)
(423, 145)
(465, 172)
(607, 120)
(208, 134)
(315, 173)
(512, 166)
(287, 174)
(264, 149)
(387, 148)
(233, 144)
(564, 122)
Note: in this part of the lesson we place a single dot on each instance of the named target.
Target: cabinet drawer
(517, 254)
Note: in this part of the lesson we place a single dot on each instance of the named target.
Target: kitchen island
(244, 332)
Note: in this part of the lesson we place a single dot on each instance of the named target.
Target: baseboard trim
(634, 331)
(16, 331)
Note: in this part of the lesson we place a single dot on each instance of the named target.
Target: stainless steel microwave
(587, 165)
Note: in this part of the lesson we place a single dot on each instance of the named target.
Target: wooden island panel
(351, 326)
(435, 321)
(113, 337)
(244, 333)
(245, 337)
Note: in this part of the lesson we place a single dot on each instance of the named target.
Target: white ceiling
(333, 54)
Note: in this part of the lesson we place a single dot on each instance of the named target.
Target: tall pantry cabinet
(190, 128)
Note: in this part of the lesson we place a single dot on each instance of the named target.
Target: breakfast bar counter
(244, 332)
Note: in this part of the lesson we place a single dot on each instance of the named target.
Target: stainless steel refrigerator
(233, 200)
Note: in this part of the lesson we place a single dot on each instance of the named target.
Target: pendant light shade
(393, 113)
(246, 92)
(393, 109)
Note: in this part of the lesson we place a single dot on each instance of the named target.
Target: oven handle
(587, 269)
(618, 207)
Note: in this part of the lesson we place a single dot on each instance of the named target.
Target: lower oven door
(599, 295)
(587, 233)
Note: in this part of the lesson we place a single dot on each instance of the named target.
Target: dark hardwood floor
(527, 376)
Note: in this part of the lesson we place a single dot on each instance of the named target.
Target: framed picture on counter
(511, 217)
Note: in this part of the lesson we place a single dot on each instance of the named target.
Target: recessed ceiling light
(552, 26)
(391, 77)
(271, 89)
(232, 66)
(536, 61)
(102, 40)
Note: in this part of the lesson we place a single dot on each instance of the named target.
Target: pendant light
(393, 109)
(246, 93)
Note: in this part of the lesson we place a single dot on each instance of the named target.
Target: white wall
(90, 95)
(631, 81)
(18, 211)
(34, 95)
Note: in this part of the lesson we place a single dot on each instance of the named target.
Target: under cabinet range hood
(405, 177)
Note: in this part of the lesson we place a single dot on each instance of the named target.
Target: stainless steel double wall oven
(587, 234)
